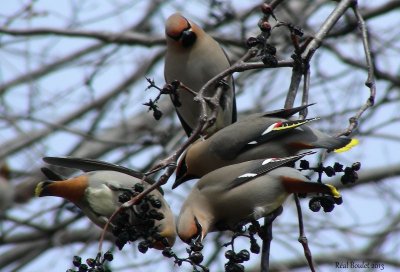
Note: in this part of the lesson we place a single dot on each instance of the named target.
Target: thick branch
(125, 38)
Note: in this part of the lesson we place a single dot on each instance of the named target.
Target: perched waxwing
(193, 57)
(6, 189)
(239, 193)
(97, 192)
(258, 136)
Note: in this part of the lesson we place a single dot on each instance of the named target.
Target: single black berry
(304, 164)
(157, 114)
(83, 268)
(156, 203)
(234, 267)
(315, 204)
(338, 167)
(167, 252)
(244, 255)
(91, 262)
(196, 246)
(356, 166)
(327, 204)
(254, 247)
(252, 41)
(329, 171)
(230, 254)
(139, 187)
(143, 246)
(77, 261)
(108, 256)
(196, 257)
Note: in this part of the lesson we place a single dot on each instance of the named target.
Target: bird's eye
(188, 38)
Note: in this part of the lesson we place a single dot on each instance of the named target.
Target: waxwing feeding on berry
(98, 191)
(243, 192)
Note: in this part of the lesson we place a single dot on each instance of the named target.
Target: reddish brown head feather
(175, 25)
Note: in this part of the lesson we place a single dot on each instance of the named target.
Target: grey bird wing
(277, 129)
(188, 130)
(232, 86)
(89, 165)
(286, 113)
(262, 167)
(50, 174)
(250, 133)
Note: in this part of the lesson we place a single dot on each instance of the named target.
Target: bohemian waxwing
(193, 57)
(239, 193)
(258, 136)
(97, 192)
(6, 189)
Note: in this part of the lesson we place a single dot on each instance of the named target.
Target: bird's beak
(183, 179)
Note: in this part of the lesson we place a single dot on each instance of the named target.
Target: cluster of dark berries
(235, 260)
(147, 211)
(169, 89)
(267, 51)
(326, 202)
(253, 229)
(350, 173)
(195, 257)
(98, 264)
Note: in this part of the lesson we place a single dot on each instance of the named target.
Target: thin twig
(370, 82)
(266, 246)
(302, 237)
(306, 91)
(336, 14)
(294, 84)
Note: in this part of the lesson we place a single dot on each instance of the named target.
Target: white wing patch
(247, 175)
(267, 161)
(270, 128)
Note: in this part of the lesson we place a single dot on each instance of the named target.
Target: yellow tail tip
(334, 191)
(39, 189)
(352, 143)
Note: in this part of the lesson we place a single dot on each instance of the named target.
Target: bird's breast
(102, 200)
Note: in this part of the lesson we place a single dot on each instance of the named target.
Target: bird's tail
(349, 145)
(41, 189)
